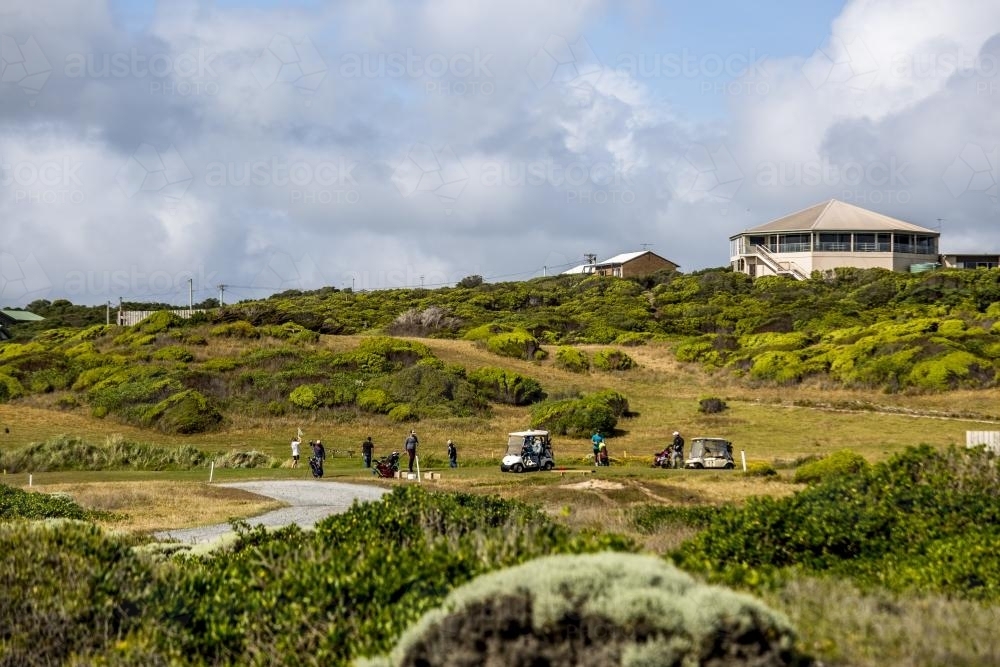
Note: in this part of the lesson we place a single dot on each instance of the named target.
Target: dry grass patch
(150, 506)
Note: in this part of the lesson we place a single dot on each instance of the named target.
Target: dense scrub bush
(238, 329)
(173, 353)
(761, 469)
(430, 391)
(68, 589)
(653, 518)
(711, 405)
(580, 417)
(922, 520)
(185, 412)
(572, 359)
(10, 388)
(379, 355)
(613, 360)
(375, 400)
(844, 462)
(595, 610)
(348, 589)
(503, 386)
(517, 344)
(18, 504)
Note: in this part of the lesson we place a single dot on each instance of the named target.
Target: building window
(794, 243)
(834, 242)
(925, 245)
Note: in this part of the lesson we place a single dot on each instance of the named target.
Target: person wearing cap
(452, 455)
(410, 445)
(677, 453)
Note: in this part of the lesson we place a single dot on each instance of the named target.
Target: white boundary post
(211, 472)
(417, 459)
(29, 480)
(743, 455)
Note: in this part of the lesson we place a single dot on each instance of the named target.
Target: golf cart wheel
(696, 466)
(729, 466)
(547, 466)
(517, 467)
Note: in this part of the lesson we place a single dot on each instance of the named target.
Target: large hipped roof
(836, 215)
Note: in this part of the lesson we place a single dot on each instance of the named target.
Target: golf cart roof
(524, 434)
(709, 439)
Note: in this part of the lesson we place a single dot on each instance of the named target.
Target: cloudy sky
(381, 143)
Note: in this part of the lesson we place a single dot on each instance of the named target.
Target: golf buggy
(528, 450)
(710, 453)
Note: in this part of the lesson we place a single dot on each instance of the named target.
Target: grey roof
(835, 215)
(22, 315)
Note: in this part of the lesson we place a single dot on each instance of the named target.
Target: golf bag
(316, 465)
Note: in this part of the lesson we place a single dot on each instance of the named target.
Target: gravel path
(310, 501)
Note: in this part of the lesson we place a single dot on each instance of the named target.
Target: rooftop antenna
(646, 246)
(939, 221)
(591, 258)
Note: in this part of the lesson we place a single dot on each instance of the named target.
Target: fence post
(417, 459)
(211, 471)
(29, 481)
(743, 455)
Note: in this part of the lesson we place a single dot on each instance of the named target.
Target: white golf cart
(528, 450)
(710, 453)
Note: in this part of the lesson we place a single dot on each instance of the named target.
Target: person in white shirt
(295, 451)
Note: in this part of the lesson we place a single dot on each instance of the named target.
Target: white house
(831, 235)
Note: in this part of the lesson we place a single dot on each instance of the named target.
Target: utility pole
(121, 311)
(108, 314)
(591, 258)
(190, 294)
(645, 246)
(545, 270)
(352, 284)
(222, 295)
(421, 282)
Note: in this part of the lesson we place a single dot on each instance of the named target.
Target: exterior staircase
(781, 268)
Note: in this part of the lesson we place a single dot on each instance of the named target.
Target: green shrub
(68, 590)
(549, 611)
(650, 519)
(711, 405)
(306, 396)
(844, 462)
(613, 360)
(945, 372)
(761, 469)
(580, 417)
(632, 338)
(922, 520)
(485, 331)
(238, 329)
(517, 344)
(173, 353)
(406, 552)
(18, 504)
(403, 413)
(572, 359)
(503, 386)
(375, 400)
(10, 389)
(185, 412)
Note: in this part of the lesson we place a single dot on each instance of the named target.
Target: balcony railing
(873, 247)
(828, 246)
(793, 247)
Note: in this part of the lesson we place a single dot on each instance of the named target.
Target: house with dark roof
(627, 265)
(828, 236)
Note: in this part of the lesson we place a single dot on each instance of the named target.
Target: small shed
(978, 438)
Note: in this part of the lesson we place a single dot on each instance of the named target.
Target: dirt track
(309, 502)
